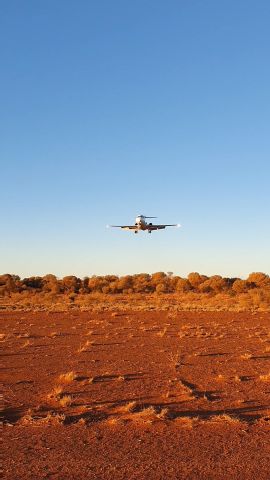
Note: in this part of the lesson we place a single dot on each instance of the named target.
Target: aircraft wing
(161, 227)
(125, 227)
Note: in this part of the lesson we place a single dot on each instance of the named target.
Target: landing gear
(149, 231)
(135, 231)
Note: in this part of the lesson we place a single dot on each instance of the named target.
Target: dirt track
(150, 395)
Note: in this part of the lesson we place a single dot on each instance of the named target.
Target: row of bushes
(159, 282)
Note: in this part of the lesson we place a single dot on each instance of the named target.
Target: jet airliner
(142, 224)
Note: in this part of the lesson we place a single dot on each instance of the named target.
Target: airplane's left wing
(161, 227)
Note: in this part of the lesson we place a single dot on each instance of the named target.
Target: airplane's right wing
(125, 227)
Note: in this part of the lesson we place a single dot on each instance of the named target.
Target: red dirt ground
(152, 395)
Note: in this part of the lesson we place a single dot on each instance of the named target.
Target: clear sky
(109, 109)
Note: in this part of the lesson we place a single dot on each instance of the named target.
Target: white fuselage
(140, 221)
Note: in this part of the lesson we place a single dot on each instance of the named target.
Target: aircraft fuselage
(141, 223)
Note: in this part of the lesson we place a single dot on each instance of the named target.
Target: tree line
(159, 282)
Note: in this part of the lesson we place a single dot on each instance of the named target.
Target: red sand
(155, 395)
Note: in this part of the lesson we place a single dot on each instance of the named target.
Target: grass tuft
(65, 401)
(68, 377)
(265, 378)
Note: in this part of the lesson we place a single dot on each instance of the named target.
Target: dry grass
(163, 414)
(112, 421)
(68, 377)
(147, 415)
(265, 378)
(129, 407)
(81, 422)
(225, 418)
(54, 334)
(65, 401)
(174, 359)
(257, 299)
(162, 332)
(185, 422)
(50, 419)
(24, 335)
(56, 393)
(246, 356)
(84, 347)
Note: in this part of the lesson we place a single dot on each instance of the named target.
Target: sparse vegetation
(225, 418)
(49, 419)
(56, 393)
(163, 291)
(246, 356)
(83, 348)
(130, 407)
(65, 401)
(140, 377)
(67, 377)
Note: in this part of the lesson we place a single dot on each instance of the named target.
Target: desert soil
(136, 395)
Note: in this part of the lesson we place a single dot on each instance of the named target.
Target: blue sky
(114, 108)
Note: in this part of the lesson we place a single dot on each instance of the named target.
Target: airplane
(141, 224)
